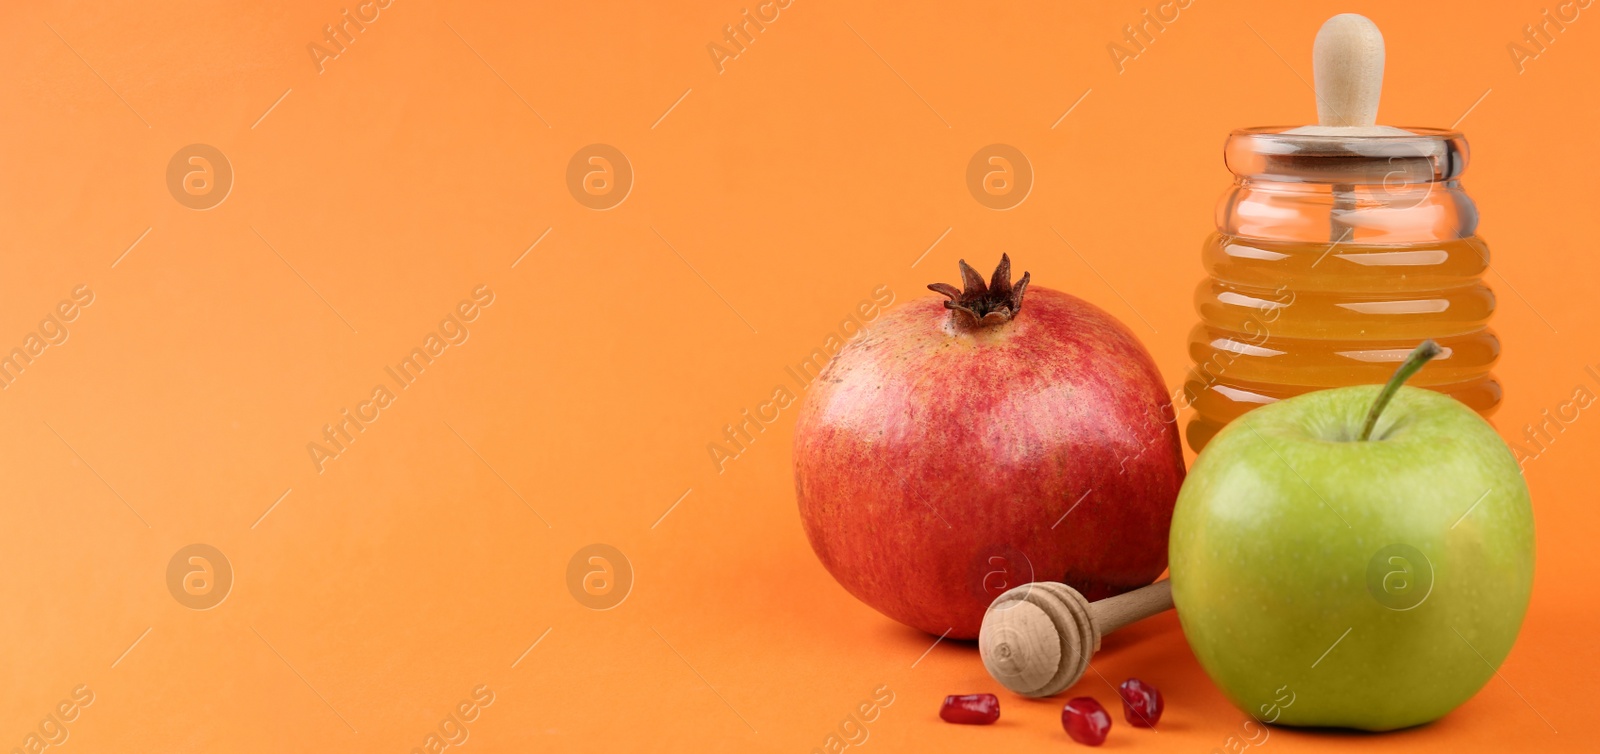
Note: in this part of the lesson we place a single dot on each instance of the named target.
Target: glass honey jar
(1338, 250)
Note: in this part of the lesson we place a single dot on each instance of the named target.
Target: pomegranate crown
(991, 304)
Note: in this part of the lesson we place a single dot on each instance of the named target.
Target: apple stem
(1419, 356)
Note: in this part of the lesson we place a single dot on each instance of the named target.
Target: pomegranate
(954, 451)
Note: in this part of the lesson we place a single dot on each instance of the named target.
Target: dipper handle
(1113, 613)
(1037, 639)
(1347, 63)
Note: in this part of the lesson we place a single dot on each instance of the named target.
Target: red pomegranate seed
(1141, 703)
(970, 709)
(1086, 721)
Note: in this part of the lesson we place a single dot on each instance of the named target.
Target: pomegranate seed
(1141, 703)
(970, 709)
(1086, 721)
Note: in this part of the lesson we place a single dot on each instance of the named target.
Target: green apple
(1359, 557)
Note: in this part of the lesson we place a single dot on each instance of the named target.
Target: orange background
(825, 161)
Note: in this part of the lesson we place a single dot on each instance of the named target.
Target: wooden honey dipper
(1347, 63)
(1037, 639)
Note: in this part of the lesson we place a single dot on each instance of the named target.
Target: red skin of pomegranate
(936, 460)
